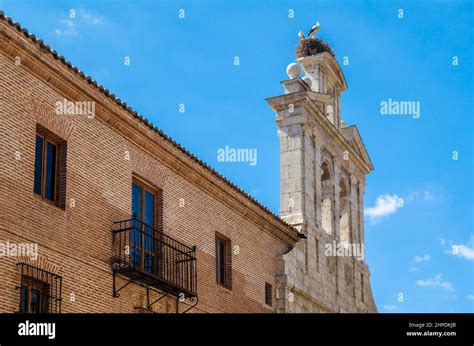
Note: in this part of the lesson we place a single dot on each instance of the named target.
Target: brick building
(102, 212)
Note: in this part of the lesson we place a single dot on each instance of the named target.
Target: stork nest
(312, 46)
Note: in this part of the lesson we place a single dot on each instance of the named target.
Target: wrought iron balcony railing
(147, 255)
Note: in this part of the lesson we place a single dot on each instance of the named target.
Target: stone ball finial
(293, 70)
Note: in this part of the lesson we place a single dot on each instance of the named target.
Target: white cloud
(461, 250)
(384, 205)
(470, 297)
(67, 22)
(436, 282)
(464, 250)
(67, 28)
(70, 27)
(420, 259)
(390, 307)
(447, 285)
(427, 195)
(90, 18)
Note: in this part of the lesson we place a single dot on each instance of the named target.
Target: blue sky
(424, 249)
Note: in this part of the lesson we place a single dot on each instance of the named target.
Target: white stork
(314, 30)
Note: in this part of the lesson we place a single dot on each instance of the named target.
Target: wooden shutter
(228, 263)
(218, 261)
(61, 175)
(159, 225)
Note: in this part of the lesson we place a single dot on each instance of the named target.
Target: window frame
(36, 278)
(158, 203)
(226, 280)
(47, 139)
(29, 284)
(157, 226)
(268, 294)
(59, 170)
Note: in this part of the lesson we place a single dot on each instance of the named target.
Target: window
(40, 291)
(146, 212)
(268, 294)
(34, 296)
(50, 168)
(325, 171)
(330, 113)
(327, 211)
(223, 261)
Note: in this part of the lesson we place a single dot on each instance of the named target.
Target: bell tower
(323, 164)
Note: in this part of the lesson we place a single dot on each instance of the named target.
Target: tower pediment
(326, 62)
(353, 137)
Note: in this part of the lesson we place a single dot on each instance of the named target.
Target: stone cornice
(68, 81)
(305, 100)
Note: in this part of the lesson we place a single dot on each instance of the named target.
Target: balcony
(146, 255)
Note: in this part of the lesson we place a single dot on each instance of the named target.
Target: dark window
(50, 168)
(145, 200)
(268, 294)
(223, 261)
(34, 297)
(50, 179)
(220, 261)
(38, 164)
(40, 291)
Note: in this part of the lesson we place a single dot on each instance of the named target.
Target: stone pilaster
(361, 213)
(354, 210)
(291, 169)
(336, 209)
(318, 185)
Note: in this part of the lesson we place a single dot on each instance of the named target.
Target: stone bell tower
(323, 163)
